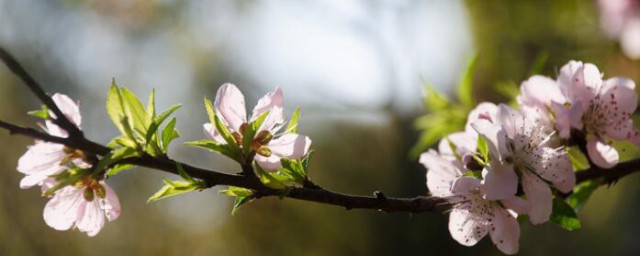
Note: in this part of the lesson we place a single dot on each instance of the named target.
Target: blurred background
(357, 70)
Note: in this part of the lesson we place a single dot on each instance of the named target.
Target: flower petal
(291, 145)
(619, 101)
(465, 143)
(267, 102)
(111, 204)
(465, 185)
(466, 227)
(500, 181)
(554, 166)
(485, 111)
(42, 158)
(540, 91)
(61, 211)
(211, 131)
(495, 136)
(505, 231)
(517, 204)
(603, 155)
(441, 173)
(68, 107)
(539, 196)
(91, 218)
(229, 105)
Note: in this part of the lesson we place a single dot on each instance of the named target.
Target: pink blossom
(620, 19)
(520, 144)
(472, 216)
(44, 159)
(581, 100)
(268, 144)
(84, 206)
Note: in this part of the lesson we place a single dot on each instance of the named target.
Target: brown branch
(61, 120)
(212, 178)
(246, 179)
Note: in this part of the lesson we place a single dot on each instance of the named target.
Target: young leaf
(434, 100)
(173, 188)
(118, 168)
(564, 216)
(483, 148)
(581, 194)
(292, 127)
(40, 113)
(214, 147)
(114, 106)
(134, 110)
(151, 107)
(210, 110)
(251, 130)
(113, 157)
(269, 179)
(169, 134)
(183, 173)
(293, 169)
(237, 191)
(465, 88)
(163, 116)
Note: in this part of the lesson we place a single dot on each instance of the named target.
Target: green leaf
(151, 107)
(183, 173)
(123, 142)
(72, 176)
(581, 194)
(293, 169)
(473, 174)
(292, 127)
(210, 110)
(164, 115)
(40, 113)
(173, 188)
(483, 148)
(118, 168)
(237, 191)
(113, 157)
(434, 100)
(169, 134)
(250, 132)
(128, 133)
(564, 216)
(538, 63)
(239, 202)
(214, 147)
(134, 110)
(306, 161)
(578, 160)
(219, 125)
(269, 179)
(465, 87)
(115, 108)
(157, 121)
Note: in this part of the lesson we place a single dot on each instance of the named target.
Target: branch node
(379, 195)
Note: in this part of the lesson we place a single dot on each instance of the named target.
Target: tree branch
(61, 120)
(309, 192)
(212, 178)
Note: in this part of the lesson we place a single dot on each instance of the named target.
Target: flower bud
(88, 194)
(100, 191)
(264, 137)
(264, 151)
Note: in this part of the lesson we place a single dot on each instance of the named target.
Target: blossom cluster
(514, 161)
(87, 202)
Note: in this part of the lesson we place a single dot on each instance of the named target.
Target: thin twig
(61, 120)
